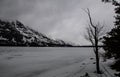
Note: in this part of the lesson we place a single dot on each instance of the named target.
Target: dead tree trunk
(94, 32)
(97, 57)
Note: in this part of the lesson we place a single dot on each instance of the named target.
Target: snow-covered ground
(50, 62)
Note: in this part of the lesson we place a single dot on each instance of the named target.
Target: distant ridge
(89, 46)
(14, 33)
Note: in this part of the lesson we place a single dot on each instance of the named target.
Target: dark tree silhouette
(108, 0)
(94, 33)
(112, 40)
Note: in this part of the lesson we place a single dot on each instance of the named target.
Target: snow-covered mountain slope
(14, 33)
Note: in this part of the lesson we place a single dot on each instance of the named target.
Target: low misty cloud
(59, 19)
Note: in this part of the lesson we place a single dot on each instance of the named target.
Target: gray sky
(59, 19)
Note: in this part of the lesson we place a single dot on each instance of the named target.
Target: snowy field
(49, 62)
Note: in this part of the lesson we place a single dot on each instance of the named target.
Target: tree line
(112, 39)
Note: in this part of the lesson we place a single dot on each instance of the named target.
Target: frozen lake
(42, 61)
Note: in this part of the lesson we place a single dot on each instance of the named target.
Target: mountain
(14, 33)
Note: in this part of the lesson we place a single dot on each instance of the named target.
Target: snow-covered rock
(14, 33)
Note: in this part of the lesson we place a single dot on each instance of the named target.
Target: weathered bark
(96, 51)
(97, 59)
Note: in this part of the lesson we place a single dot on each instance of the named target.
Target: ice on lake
(42, 61)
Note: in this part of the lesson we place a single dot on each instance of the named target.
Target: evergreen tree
(112, 40)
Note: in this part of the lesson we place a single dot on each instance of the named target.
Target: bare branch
(89, 15)
(94, 31)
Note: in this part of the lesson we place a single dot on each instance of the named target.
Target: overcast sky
(59, 19)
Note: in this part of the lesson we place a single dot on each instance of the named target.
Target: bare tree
(94, 33)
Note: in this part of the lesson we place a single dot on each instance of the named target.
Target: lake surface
(41, 61)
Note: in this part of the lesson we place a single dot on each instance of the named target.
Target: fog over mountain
(59, 19)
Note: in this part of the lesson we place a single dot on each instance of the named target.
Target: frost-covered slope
(14, 33)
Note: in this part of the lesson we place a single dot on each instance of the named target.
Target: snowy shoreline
(50, 62)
